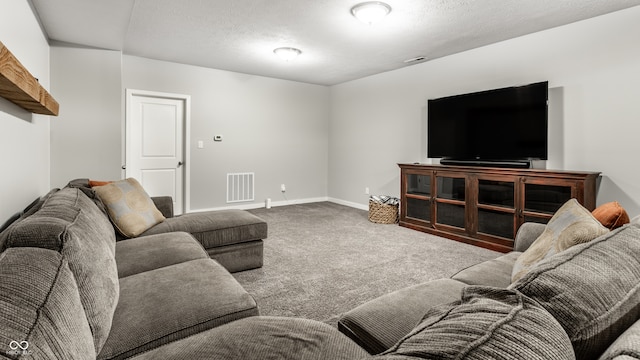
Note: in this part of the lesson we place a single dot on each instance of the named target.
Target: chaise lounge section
(232, 237)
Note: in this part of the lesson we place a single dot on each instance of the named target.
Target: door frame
(186, 141)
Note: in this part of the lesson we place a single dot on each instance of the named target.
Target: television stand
(515, 164)
(485, 206)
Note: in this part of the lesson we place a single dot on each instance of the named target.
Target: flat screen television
(499, 125)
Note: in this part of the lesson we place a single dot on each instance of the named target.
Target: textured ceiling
(240, 35)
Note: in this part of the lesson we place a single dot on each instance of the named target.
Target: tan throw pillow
(572, 224)
(130, 208)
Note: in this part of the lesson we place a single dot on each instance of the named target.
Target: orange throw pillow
(93, 183)
(611, 215)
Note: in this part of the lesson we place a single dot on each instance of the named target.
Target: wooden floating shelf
(21, 88)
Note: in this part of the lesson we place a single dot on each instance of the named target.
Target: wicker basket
(383, 213)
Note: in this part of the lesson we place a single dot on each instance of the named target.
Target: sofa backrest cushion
(129, 206)
(29, 210)
(70, 223)
(593, 289)
(572, 224)
(488, 323)
(41, 315)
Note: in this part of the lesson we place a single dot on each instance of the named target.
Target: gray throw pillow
(572, 224)
(488, 323)
(592, 289)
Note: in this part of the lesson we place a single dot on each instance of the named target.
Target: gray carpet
(323, 259)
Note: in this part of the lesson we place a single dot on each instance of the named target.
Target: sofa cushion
(572, 224)
(611, 215)
(263, 338)
(593, 289)
(378, 324)
(496, 272)
(239, 257)
(130, 208)
(488, 323)
(70, 223)
(173, 302)
(40, 307)
(11, 220)
(145, 253)
(29, 210)
(216, 228)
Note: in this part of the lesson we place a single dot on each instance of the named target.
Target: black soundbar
(518, 164)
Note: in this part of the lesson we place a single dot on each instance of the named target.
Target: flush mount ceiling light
(287, 53)
(371, 11)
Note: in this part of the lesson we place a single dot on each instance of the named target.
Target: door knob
(179, 163)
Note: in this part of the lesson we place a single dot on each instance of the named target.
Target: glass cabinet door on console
(417, 205)
(450, 200)
(496, 207)
(541, 199)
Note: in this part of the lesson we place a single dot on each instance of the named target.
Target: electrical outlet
(366, 191)
(283, 188)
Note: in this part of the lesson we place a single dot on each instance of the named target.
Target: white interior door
(155, 138)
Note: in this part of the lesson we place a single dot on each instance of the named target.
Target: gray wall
(275, 128)
(24, 137)
(593, 69)
(86, 137)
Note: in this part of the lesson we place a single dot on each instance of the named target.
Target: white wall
(86, 136)
(275, 128)
(593, 69)
(24, 137)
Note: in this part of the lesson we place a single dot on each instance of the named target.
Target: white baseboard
(349, 203)
(262, 204)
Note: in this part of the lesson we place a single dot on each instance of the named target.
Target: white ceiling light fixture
(370, 12)
(287, 53)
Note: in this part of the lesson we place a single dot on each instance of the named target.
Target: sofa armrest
(379, 323)
(527, 234)
(164, 204)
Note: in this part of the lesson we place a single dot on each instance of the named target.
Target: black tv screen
(493, 125)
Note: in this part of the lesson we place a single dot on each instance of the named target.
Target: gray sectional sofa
(68, 290)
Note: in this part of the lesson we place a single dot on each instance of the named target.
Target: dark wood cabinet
(486, 206)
